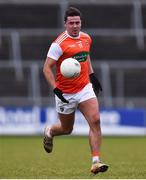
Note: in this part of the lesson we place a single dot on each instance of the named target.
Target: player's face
(73, 25)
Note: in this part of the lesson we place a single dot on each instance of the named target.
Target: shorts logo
(61, 109)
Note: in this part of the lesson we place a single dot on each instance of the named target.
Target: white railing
(104, 69)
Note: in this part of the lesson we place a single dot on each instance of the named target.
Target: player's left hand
(96, 84)
(59, 94)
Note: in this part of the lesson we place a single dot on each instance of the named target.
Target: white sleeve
(54, 51)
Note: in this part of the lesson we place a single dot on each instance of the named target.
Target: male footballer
(78, 92)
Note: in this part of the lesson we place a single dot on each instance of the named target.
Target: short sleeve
(54, 51)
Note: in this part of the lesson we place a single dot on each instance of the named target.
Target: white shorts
(74, 99)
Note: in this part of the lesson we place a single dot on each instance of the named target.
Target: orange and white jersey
(64, 47)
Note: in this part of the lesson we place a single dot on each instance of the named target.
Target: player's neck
(76, 37)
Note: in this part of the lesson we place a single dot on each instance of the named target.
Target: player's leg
(66, 115)
(90, 110)
(64, 126)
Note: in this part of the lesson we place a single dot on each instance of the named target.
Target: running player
(78, 92)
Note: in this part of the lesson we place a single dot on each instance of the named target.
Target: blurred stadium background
(118, 30)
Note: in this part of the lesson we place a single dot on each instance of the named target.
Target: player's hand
(59, 94)
(96, 84)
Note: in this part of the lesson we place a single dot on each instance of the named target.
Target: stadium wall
(32, 120)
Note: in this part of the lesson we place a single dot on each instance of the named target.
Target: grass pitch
(24, 157)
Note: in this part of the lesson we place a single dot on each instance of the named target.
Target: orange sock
(95, 153)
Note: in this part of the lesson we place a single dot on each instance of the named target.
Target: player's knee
(67, 131)
(95, 120)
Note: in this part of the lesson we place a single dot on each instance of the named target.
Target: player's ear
(65, 24)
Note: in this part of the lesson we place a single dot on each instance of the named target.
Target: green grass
(24, 157)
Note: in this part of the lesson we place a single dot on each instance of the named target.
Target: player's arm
(48, 72)
(90, 68)
(94, 80)
(53, 55)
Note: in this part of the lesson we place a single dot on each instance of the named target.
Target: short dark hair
(72, 11)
